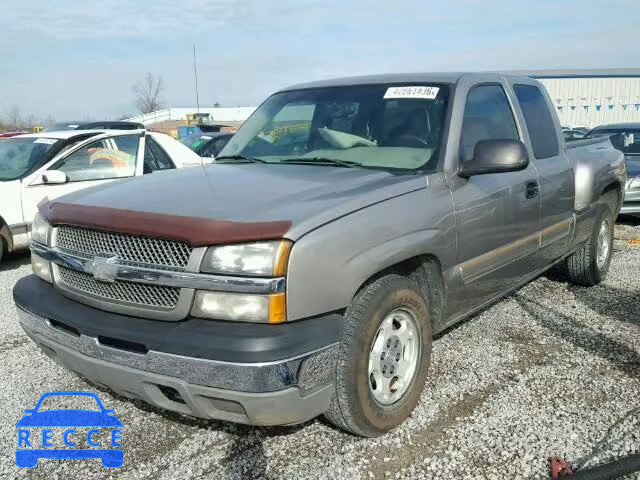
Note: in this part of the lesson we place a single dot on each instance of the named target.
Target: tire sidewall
(599, 274)
(398, 292)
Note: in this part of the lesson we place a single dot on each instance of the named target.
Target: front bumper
(279, 387)
(631, 203)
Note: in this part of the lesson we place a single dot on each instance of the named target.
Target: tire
(588, 266)
(357, 405)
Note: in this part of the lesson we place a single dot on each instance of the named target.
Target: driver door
(94, 163)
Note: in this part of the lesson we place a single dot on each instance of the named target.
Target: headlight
(258, 259)
(240, 307)
(41, 267)
(634, 183)
(40, 230)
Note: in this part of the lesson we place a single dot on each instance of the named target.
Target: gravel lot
(547, 371)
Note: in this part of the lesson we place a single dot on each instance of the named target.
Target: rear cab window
(155, 157)
(542, 131)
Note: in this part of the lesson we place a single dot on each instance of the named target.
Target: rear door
(92, 163)
(496, 214)
(547, 152)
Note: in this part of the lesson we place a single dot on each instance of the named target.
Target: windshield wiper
(323, 160)
(241, 158)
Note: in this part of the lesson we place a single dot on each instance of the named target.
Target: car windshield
(195, 142)
(390, 127)
(631, 138)
(20, 155)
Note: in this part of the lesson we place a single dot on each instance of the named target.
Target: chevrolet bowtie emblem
(104, 269)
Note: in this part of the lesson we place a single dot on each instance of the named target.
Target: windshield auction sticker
(69, 425)
(419, 91)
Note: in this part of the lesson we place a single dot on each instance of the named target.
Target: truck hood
(252, 201)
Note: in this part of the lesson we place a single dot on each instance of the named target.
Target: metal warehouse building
(593, 97)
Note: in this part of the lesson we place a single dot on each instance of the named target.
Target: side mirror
(495, 156)
(54, 177)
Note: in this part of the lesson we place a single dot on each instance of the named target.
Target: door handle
(532, 189)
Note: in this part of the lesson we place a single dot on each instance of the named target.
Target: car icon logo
(36, 432)
(104, 269)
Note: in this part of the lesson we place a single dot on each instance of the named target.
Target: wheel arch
(5, 233)
(426, 271)
(616, 187)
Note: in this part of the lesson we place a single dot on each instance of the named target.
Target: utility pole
(195, 72)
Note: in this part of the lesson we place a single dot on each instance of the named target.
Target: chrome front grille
(131, 249)
(138, 294)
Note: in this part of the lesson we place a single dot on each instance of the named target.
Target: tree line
(147, 98)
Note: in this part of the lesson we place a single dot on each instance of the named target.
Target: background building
(593, 97)
(582, 98)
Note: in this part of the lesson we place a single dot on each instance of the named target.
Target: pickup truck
(51, 164)
(306, 272)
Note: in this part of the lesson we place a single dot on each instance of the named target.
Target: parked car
(307, 270)
(209, 145)
(629, 144)
(46, 165)
(104, 125)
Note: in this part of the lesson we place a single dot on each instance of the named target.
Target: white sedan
(50, 164)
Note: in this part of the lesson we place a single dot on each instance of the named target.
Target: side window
(487, 116)
(540, 125)
(155, 157)
(113, 157)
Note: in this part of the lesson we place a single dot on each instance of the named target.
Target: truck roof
(433, 77)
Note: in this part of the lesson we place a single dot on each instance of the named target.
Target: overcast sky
(78, 59)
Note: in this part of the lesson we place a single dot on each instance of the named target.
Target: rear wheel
(383, 357)
(589, 265)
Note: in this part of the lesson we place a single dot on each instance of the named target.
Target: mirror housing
(54, 177)
(495, 156)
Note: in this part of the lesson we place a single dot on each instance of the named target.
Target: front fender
(330, 264)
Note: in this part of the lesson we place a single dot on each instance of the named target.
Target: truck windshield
(390, 127)
(20, 155)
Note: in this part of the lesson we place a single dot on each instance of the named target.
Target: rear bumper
(283, 386)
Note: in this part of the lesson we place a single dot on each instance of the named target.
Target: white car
(50, 164)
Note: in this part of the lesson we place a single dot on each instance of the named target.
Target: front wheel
(383, 357)
(589, 265)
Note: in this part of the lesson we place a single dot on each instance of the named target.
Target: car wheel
(589, 265)
(383, 357)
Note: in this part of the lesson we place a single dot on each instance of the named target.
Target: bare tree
(147, 93)
(14, 118)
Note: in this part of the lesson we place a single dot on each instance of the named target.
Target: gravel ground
(547, 371)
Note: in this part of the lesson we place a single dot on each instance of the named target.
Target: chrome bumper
(273, 393)
(631, 202)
